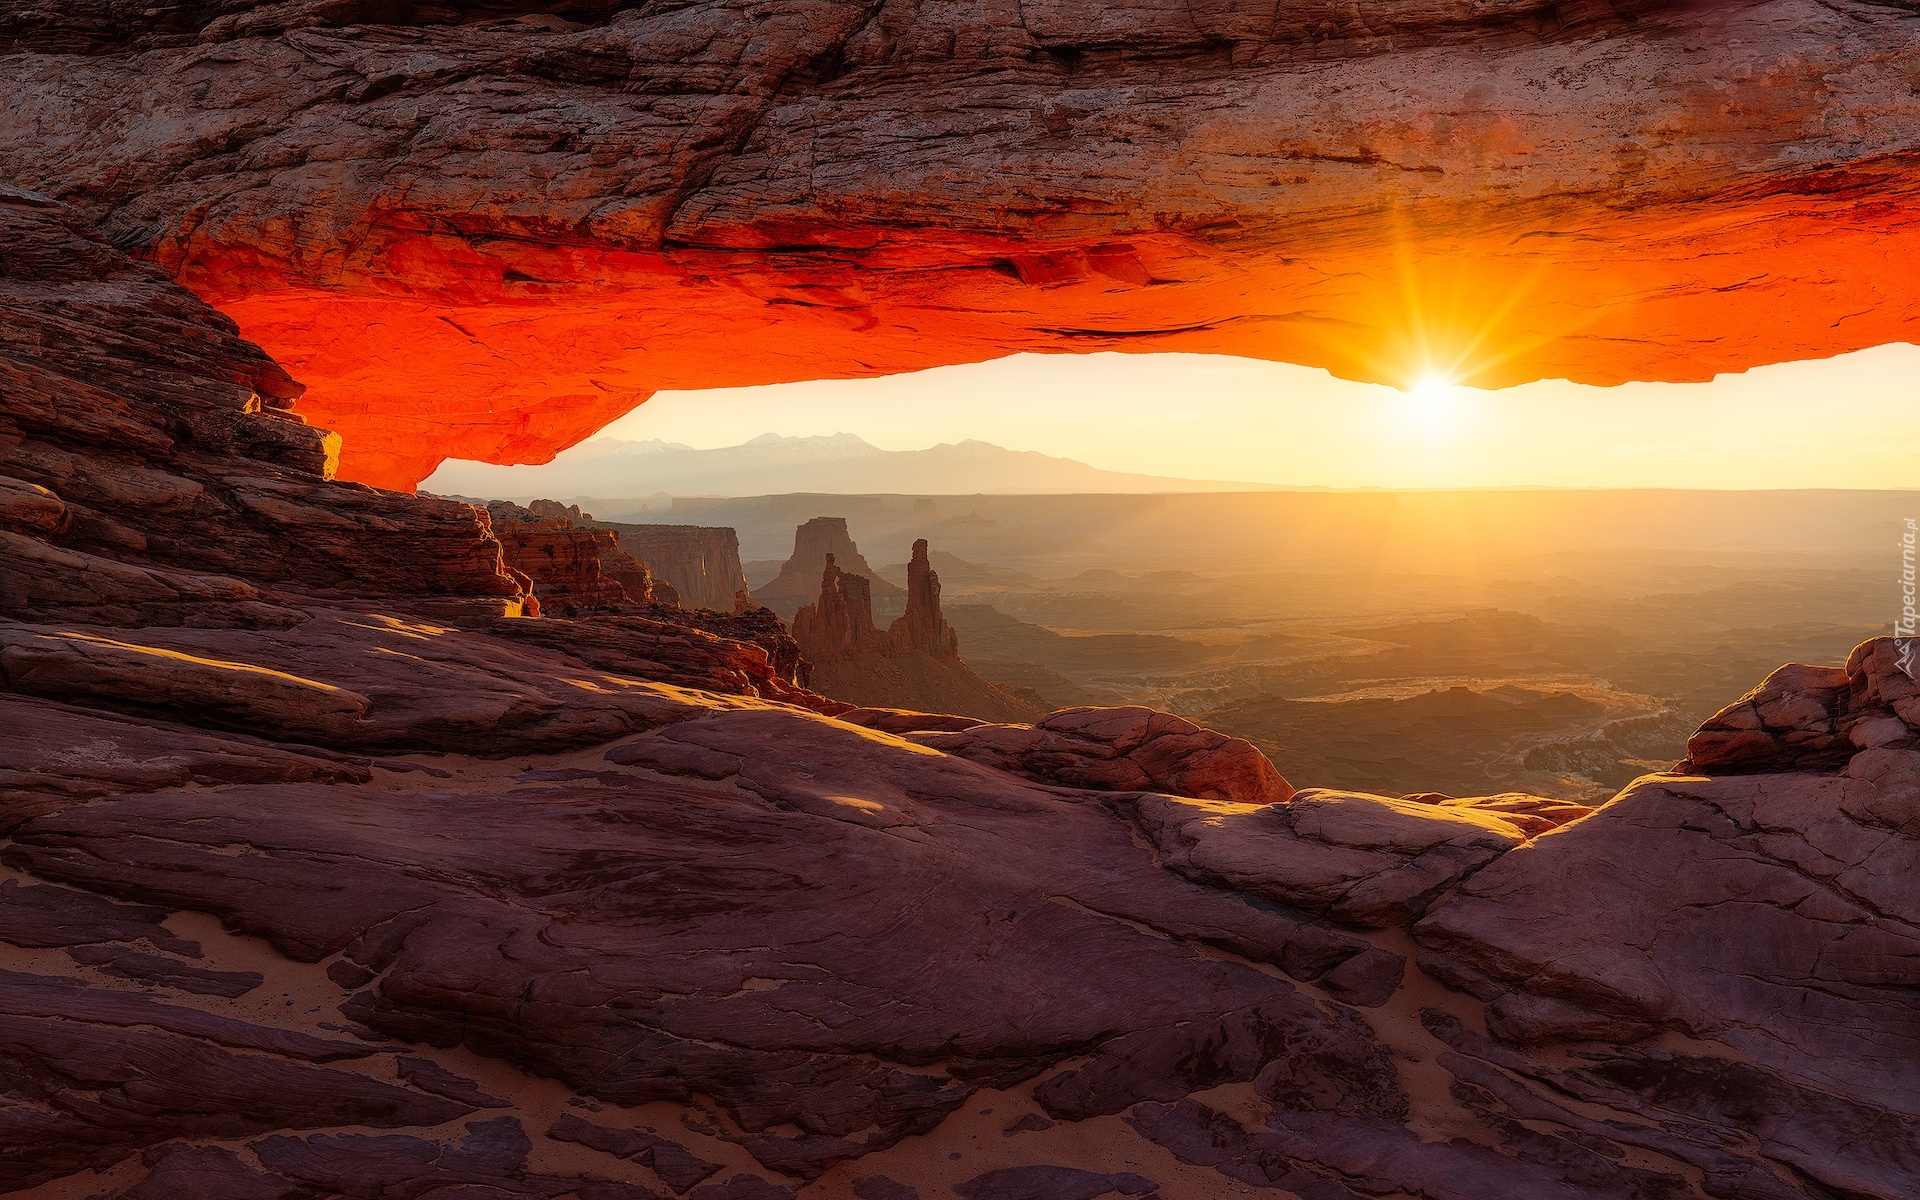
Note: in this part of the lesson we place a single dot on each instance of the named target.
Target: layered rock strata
(699, 566)
(567, 565)
(153, 470)
(524, 222)
(311, 894)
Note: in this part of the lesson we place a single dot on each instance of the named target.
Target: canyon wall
(702, 566)
(565, 563)
(525, 223)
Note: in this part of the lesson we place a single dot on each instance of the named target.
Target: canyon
(330, 873)
(482, 231)
(913, 664)
(341, 861)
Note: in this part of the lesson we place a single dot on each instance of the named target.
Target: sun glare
(1431, 401)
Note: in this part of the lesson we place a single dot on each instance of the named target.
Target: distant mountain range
(842, 464)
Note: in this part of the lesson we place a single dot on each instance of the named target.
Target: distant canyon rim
(482, 231)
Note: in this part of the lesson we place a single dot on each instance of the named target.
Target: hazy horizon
(1849, 422)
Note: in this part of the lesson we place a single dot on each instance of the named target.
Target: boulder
(1121, 749)
(1363, 860)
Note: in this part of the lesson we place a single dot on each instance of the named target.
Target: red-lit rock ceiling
(479, 234)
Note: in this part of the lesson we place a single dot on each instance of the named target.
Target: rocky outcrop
(1809, 718)
(915, 664)
(923, 628)
(1119, 749)
(1362, 860)
(154, 472)
(815, 544)
(634, 577)
(840, 622)
(693, 196)
(700, 567)
(553, 510)
(564, 563)
(305, 893)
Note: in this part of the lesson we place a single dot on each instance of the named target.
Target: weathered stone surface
(677, 1166)
(563, 562)
(1051, 1183)
(93, 1076)
(1813, 718)
(1122, 749)
(187, 490)
(700, 565)
(165, 972)
(57, 754)
(525, 226)
(1750, 897)
(1364, 860)
(40, 915)
(479, 938)
(1531, 814)
(807, 942)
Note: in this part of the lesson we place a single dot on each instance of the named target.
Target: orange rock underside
(509, 351)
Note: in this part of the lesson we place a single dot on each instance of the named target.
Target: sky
(1850, 422)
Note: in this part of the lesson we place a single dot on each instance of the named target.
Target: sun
(1431, 400)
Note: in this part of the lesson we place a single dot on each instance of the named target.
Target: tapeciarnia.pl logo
(1903, 629)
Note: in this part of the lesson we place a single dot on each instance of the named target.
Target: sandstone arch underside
(485, 230)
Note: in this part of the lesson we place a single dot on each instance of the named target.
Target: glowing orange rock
(488, 240)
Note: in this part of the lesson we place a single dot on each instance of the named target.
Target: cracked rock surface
(307, 896)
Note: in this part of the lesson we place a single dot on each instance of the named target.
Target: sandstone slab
(1363, 860)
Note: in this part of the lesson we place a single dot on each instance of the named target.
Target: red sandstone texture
(699, 566)
(564, 563)
(479, 233)
(322, 876)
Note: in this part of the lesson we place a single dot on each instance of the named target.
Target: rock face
(1805, 717)
(550, 217)
(308, 892)
(923, 627)
(566, 564)
(1122, 749)
(840, 622)
(151, 471)
(700, 566)
(815, 544)
(915, 664)
(1363, 860)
